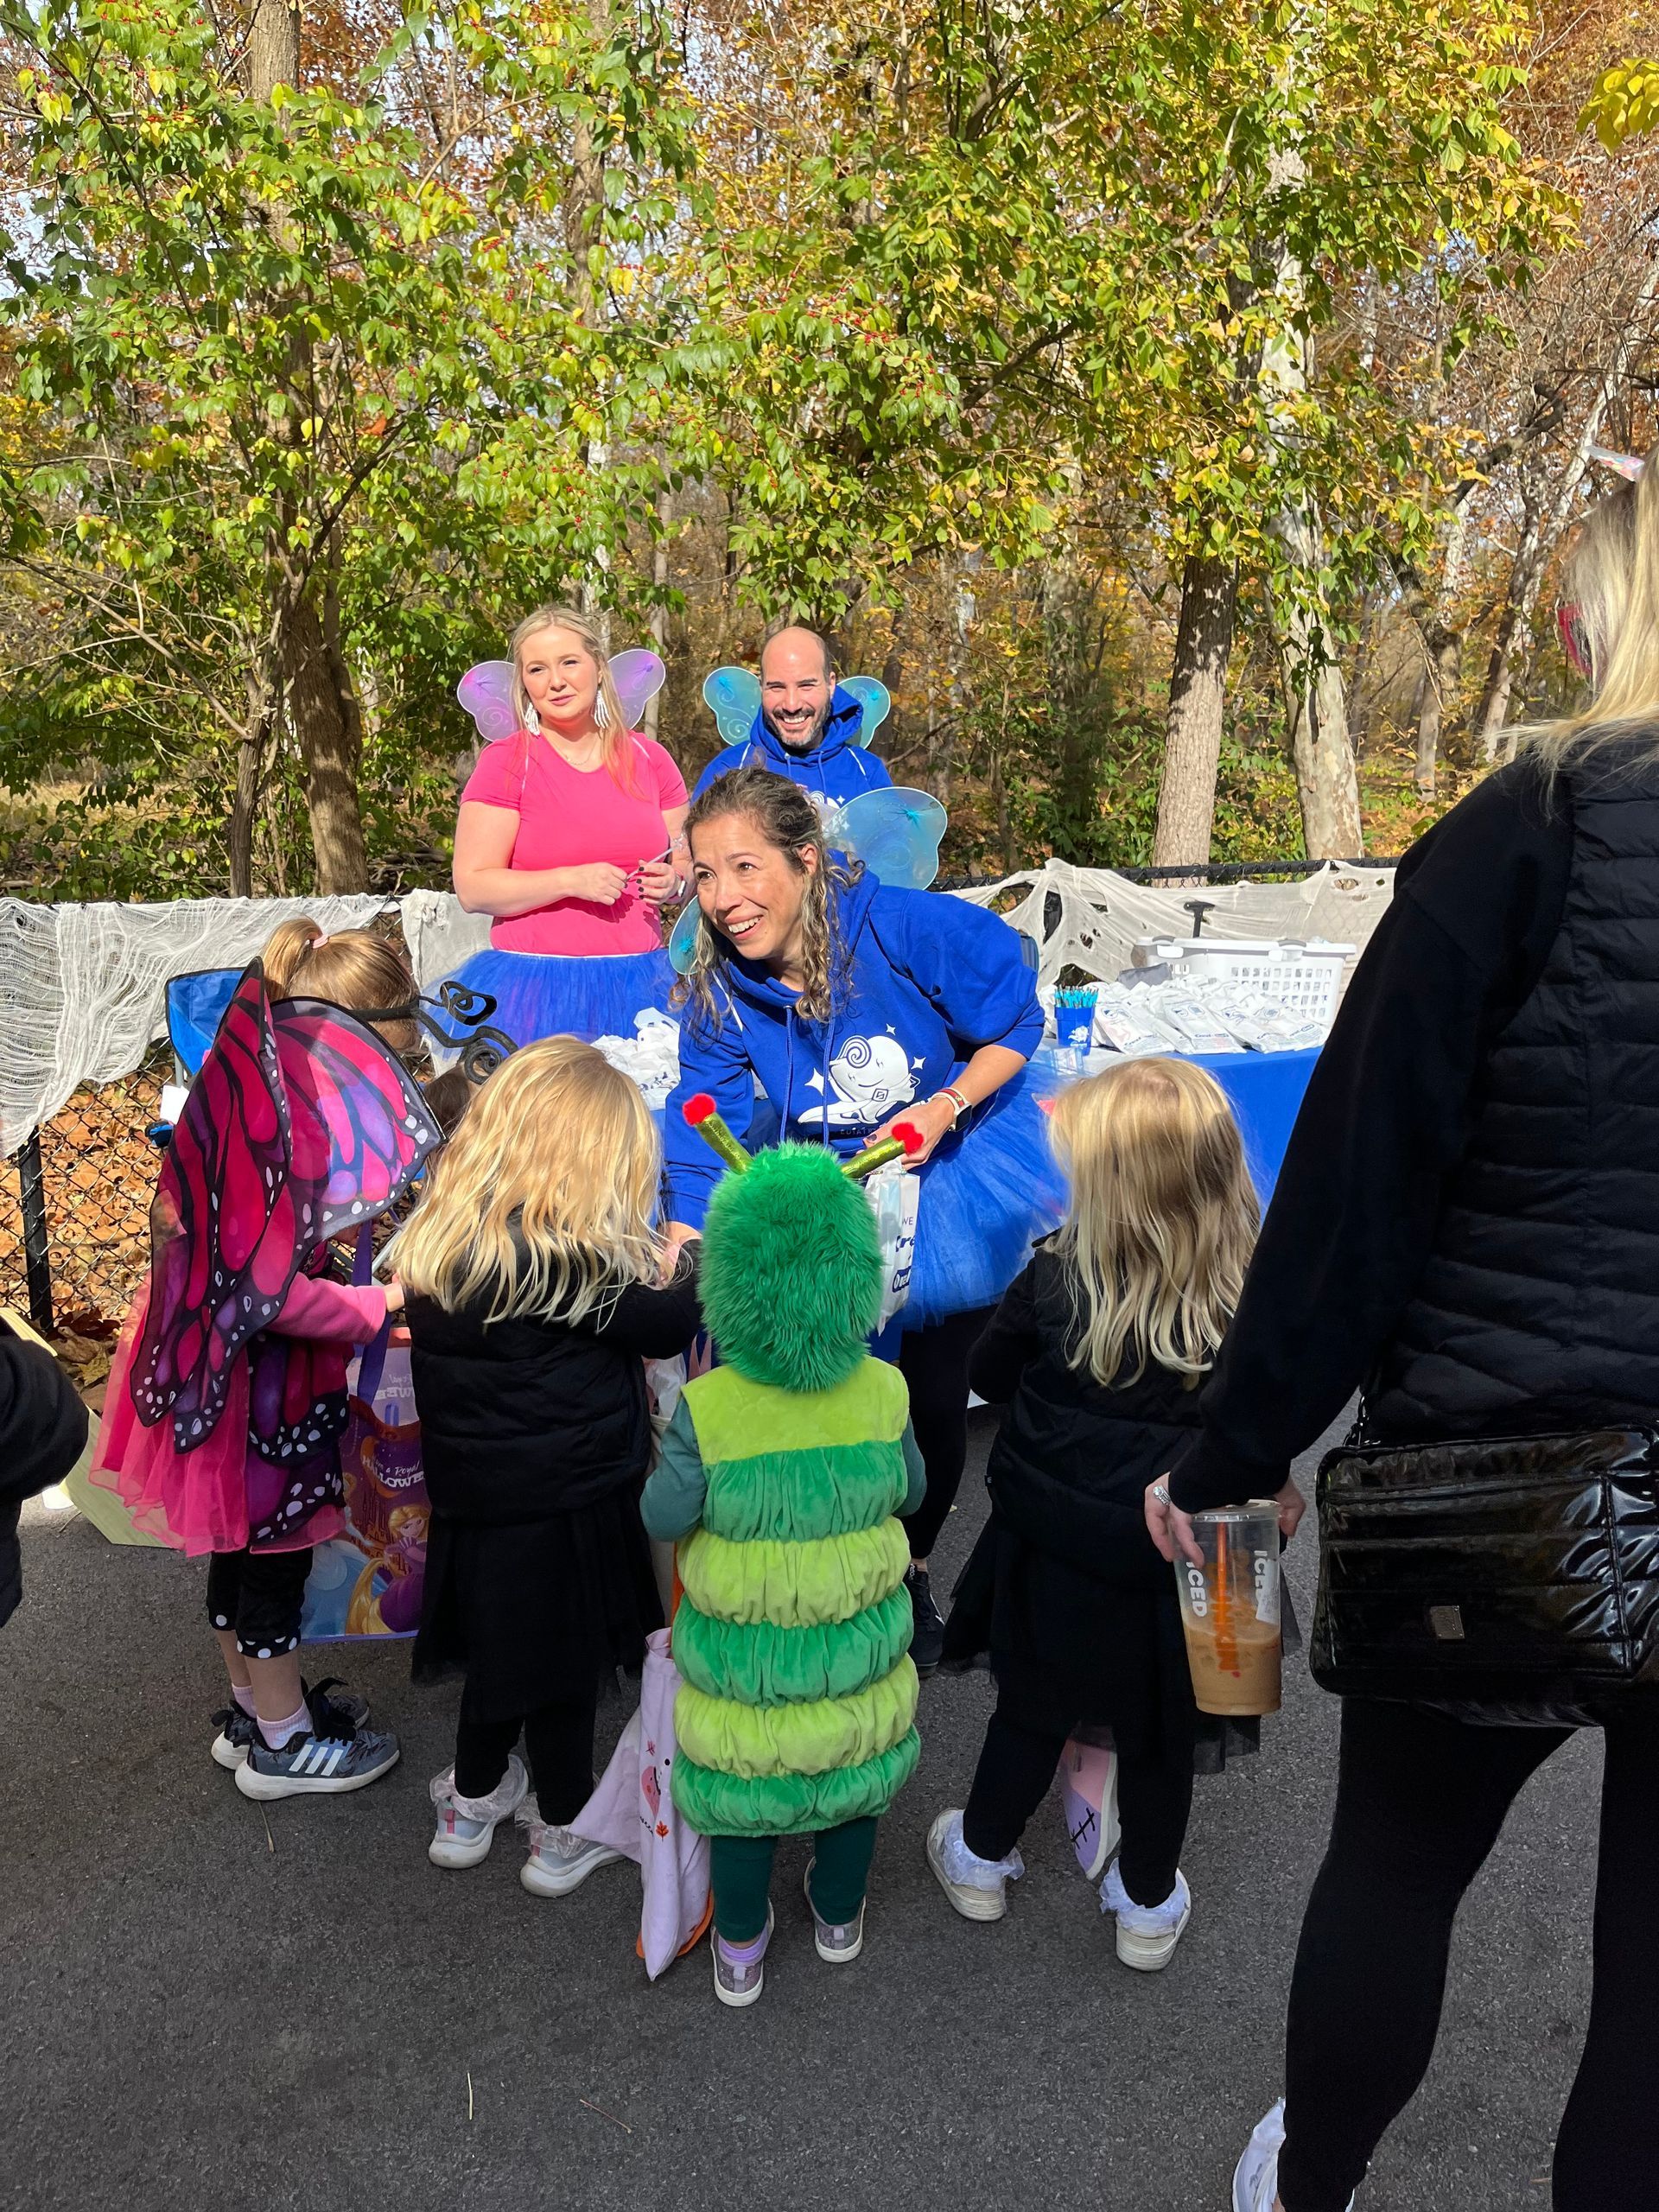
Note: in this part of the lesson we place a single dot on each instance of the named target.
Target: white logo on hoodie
(871, 1077)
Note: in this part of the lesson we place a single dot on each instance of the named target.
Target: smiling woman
(569, 837)
(852, 1006)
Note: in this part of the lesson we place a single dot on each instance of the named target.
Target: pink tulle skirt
(195, 1501)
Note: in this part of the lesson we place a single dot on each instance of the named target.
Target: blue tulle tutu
(984, 1201)
(551, 995)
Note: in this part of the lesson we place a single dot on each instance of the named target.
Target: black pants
(1420, 1801)
(558, 1748)
(1015, 1771)
(260, 1595)
(934, 1364)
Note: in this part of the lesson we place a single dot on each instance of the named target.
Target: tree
(283, 340)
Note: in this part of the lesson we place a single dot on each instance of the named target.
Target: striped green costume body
(798, 1705)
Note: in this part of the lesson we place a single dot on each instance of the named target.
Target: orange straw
(1226, 1641)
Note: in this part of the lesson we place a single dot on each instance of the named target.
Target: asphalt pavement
(209, 2004)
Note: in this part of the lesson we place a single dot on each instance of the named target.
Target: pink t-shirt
(566, 819)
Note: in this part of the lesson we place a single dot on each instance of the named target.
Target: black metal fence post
(37, 1251)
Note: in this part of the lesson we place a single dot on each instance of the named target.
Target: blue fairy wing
(734, 696)
(874, 698)
(895, 833)
(486, 693)
(638, 675)
(682, 938)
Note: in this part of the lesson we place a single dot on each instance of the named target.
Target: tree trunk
(1327, 782)
(327, 727)
(659, 625)
(1197, 689)
(273, 46)
(1440, 678)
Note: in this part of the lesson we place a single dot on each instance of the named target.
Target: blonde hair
(353, 968)
(541, 1204)
(620, 753)
(788, 821)
(1612, 579)
(1161, 1219)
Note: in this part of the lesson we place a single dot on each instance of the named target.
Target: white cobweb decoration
(83, 988)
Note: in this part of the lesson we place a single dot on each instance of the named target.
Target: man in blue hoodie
(806, 727)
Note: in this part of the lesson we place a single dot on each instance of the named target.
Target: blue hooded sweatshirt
(929, 979)
(836, 770)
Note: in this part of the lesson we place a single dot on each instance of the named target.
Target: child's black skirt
(526, 1609)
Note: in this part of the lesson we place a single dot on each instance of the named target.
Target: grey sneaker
(741, 1968)
(837, 1943)
(310, 1764)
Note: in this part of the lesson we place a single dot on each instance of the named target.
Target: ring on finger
(1160, 1494)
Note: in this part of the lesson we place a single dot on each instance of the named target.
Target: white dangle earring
(601, 712)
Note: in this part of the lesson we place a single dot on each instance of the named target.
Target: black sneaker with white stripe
(333, 1755)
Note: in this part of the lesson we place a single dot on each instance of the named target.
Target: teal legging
(739, 1871)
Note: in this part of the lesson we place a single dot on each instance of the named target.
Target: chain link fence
(74, 1207)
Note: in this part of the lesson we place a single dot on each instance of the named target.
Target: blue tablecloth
(1265, 1092)
(1264, 1089)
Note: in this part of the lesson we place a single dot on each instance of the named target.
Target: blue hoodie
(835, 769)
(929, 979)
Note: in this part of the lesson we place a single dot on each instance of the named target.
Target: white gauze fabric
(83, 988)
(1102, 913)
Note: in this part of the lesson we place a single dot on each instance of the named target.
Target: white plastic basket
(1306, 976)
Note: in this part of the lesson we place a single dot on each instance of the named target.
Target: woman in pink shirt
(569, 836)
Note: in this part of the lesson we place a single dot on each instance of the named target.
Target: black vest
(1539, 1307)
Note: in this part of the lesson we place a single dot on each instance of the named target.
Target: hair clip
(1627, 465)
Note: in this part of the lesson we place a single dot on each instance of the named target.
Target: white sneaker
(1147, 1934)
(1256, 2178)
(466, 1826)
(558, 1862)
(978, 1887)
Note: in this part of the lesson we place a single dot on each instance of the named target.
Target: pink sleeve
(497, 777)
(670, 783)
(339, 1313)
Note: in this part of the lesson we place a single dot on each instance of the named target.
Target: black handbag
(1516, 1574)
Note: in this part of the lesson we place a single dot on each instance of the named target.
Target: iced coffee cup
(1229, 1609)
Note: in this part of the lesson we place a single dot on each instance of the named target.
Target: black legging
(934, 1364)
(1015, 1771)
(1420, 1801)
(558, 1748)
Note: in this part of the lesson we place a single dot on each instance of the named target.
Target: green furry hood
(791, 1280)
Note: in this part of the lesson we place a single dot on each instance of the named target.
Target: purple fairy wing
(361, 1128)
(873, 696)
(734, 696)
(486, 693)
(638, 677)
(222, 1247)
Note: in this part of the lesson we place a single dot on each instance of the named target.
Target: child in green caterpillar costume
(784, 1471)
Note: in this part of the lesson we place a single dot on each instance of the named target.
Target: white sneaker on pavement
(466, 1826)
(558, 1862)
(978, 1887)
(1147, 1934)
(1256, 2178)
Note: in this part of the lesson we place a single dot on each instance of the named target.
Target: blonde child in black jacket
(535, 1285)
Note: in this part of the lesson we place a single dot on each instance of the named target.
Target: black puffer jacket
(1538, 1306)
(42, 1433)
(1065, 1589)
(1070, 1467)
(521, 1419)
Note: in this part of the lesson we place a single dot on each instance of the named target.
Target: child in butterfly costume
(227, 1399)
